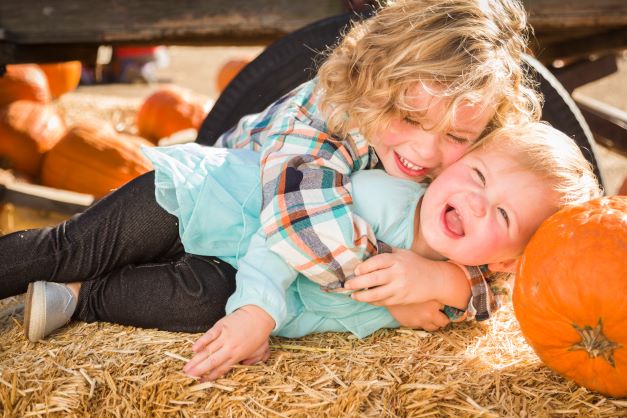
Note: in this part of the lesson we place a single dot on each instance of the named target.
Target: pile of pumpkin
(90, 156)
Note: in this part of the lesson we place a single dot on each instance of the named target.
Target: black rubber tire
(282, 66)
(562, 113)
(290, 61)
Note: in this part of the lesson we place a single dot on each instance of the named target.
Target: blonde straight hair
(549, 154)
(466, 50)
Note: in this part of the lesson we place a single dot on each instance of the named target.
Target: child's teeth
(409, 165)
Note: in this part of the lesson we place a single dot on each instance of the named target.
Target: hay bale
(464, 370)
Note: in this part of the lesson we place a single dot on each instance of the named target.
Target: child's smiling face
(484, 208)
(414, 147)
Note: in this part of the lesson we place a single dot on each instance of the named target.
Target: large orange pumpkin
(93, 158)
(570, 295)
(24, 82)
(27, 130)
(228, 71)
(168, 110)
(62, 76)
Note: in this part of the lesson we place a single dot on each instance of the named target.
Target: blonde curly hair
(469, 50)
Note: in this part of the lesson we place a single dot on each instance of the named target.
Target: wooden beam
(49, 30)
(155, 21)
(559, 14)
(44, 198)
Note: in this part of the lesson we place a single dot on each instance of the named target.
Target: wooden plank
(49, 30)
(555, 14)
(44, 198)
(156, 21)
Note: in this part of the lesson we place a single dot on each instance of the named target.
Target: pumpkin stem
(595, 343)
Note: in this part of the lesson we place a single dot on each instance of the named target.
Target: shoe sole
(35, 312)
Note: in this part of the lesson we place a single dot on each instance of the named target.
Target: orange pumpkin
(168, 110)
(24, 82)
(228, 72)
(62, 77)
(93, 158)
(571, 291)
(27, 130)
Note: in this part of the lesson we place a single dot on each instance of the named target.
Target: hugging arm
(307, 213)
(467, 292)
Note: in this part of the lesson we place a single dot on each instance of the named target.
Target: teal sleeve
(262, 280)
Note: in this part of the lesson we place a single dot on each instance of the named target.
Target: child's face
(484, 209)
(412, 150)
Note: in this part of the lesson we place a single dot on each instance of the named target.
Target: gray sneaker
(48, 306)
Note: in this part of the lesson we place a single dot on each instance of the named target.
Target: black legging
(127, 252)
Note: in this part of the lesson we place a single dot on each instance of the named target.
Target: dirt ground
(197, 69)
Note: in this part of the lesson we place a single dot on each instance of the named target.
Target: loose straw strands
(465, 370)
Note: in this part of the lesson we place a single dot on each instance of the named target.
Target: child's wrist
(453, 287)
(263, 318)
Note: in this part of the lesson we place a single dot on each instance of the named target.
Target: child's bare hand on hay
(404, 277)
(425, 315)
(241, 336)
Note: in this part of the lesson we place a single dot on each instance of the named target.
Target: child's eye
(480, 175)
(412, 122)
(457, 139)
(504, 215)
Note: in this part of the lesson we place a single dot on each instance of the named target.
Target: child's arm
(404, 277)
(426, 315)
(256, 308)
(240, 336)
(397, 281)
(307, 213)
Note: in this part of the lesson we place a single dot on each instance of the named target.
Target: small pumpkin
(228, 71)
(62, 77)
(24, 82)
(93, 158)
(570, 294)
(168, 110)
(27, 131)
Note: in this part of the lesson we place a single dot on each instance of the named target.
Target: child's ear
(507, 266)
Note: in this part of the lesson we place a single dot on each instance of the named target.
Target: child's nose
(477, 204)
(427, 146)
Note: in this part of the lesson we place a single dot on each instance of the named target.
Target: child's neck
(419, 245)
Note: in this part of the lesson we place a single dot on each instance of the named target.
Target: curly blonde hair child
(464, 50)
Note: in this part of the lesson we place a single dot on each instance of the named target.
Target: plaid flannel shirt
(307, 214)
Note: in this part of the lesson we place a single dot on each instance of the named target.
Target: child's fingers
(207, 362)
(207, 338)
(199, 358)
(266, 354)
(377, 262)
(441, 320)
(261, 354)
(219, 372)
(368, 280)
(376, 296)
(430, 326)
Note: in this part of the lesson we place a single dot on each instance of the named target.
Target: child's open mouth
(408, 167)
(453, 222)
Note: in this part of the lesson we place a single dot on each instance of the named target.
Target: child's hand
(240, 336)
(399, 278)
(426, 315)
